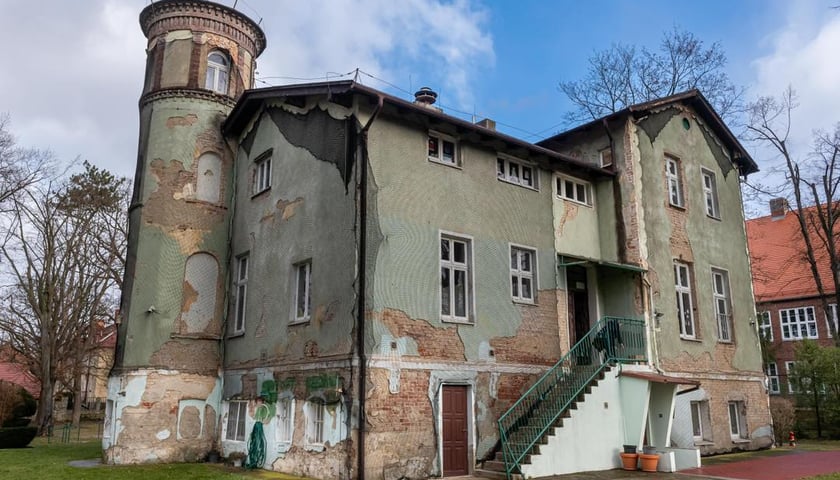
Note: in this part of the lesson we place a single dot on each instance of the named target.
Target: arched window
(218, 67)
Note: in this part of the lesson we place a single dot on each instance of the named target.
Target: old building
(789, 304)
(392, 292)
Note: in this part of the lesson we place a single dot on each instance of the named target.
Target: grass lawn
(50, 462)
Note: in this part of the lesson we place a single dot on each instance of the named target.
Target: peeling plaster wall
(307, 214)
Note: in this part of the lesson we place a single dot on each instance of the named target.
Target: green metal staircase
(524, 426)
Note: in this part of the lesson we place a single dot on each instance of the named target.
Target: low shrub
(17, 437)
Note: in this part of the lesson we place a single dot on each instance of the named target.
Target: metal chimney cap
(425, 95)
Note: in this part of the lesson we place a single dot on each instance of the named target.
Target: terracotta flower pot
(649, 462)
(629, 460)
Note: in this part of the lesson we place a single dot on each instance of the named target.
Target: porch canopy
(566, 261)
(659, 378)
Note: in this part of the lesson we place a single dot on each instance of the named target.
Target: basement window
(235, 426)
(443, 149)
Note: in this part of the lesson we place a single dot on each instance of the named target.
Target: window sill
(518, 184)
(236, 334)
(527, 303)
(730, 343)
(314, 447)
(261, 192)
(456, 320)
(299, 321)
(691, 339)
(576, 202)
(703, 443)
(713, 217)
(678, 207)
(741, 440)
(446, 164)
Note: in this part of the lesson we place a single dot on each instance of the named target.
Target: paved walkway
(785, 466)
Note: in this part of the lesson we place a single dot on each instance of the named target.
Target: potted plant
(236, 458)
(629, 460)
(649, 459)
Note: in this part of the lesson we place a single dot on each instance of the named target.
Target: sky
(73, 70)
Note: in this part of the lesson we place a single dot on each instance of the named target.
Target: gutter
(360, 330)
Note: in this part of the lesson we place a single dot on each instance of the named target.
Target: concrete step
(493, 475)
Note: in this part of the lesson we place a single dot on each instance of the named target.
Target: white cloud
(804, 56)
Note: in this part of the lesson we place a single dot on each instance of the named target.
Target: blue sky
(73, 78)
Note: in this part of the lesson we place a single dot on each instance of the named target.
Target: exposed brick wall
(536, 339)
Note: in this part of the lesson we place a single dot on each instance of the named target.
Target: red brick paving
(783, 467)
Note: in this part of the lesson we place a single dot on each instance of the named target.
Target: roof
(779, 266)
(19, 375)
(251, 101)
(691, 97)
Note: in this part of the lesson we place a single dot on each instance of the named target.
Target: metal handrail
(610, 340)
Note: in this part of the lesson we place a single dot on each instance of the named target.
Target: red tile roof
(780, 268)
(17, 374)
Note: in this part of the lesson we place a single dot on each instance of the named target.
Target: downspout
(360, 330)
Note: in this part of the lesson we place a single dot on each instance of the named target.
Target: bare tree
(62, 275)
(625, 75)
(813, 183)
(20, 167)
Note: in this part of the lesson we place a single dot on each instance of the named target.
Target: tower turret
(165, 388)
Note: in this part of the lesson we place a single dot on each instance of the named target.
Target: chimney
(487, 123)
(425, 97)
(778, 208)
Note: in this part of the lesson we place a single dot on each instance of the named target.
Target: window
(455, 284)
(522, 274)
(285, 421)
(720, 289)
(262, 172)
(303, 291)
(443, 149)
(217, 73)
(672, 173)
(605, 157)
(241, 286)
(237, 411)
(316, 413)
(700, 421)
(710, 194)
(685, 313)
(830, 318)
(798, 323)
(737, 420)
(574, 190)
(789, 371)
(511, 171)
(772, 372)
(765, 326)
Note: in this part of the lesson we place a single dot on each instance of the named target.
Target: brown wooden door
(455, 443)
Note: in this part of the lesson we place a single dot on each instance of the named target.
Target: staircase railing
(611, 340)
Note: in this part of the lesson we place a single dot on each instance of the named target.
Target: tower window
(218, 67)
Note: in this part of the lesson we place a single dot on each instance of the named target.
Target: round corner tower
(165, 388)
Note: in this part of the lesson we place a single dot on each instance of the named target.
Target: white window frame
(237, 415)
(765, 325)
(241, 289)
(453, 266)
(605, 157)
(737, 424)
(305, 294)
(218, 73)
(683, 295)
(673, 174)
(262, 173)
(830, 315)
(789, 366)
(722, 304)
(794, 321)
(441, 139)
(772, 372)
(285, 422)
(562, 184)
(512, 170)
(316, 422)
(700, 419)
(520, 276)
(710, 194)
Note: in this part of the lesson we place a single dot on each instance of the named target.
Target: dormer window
(218, 68)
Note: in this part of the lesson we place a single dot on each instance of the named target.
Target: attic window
(686, 124)
(443, 149)
(605, 156)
